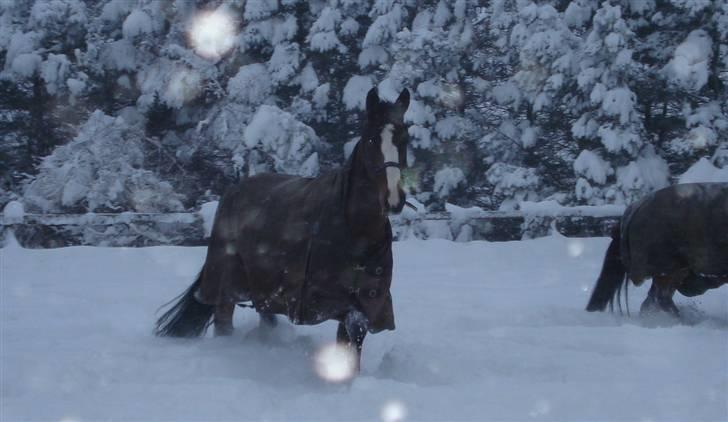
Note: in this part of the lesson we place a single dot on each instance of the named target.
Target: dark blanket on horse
(289, 239)
(681, 227)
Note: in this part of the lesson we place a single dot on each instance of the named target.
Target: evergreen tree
(101, 170)
(581, 101)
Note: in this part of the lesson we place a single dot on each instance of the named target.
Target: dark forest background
(114, 106)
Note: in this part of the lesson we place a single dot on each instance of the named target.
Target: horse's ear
(402, 103)
(372, 101)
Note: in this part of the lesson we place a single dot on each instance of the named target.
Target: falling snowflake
(212, 34)
(393, 411)
(335, 363)
(575, 248)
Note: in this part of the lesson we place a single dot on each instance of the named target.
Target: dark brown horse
(312, 249)
(678, 237)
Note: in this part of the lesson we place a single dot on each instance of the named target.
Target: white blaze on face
(390, 153)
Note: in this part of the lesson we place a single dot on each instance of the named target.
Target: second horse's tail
(612, 277)
(187, 317)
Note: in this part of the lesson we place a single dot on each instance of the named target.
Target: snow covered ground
(485, 331)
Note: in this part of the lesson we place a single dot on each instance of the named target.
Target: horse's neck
(364, 212)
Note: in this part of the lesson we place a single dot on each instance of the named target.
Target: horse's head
(385, 147)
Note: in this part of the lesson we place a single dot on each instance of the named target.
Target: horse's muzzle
(400, 205)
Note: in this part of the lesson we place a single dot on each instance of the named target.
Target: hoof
(649, 307)
(223, 330)
(268, 320)
(652, 307)
(654, 314)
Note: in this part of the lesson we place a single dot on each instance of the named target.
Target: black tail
(612, 276)
(187, 317)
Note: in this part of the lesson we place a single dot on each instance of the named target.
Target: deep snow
(485, 331)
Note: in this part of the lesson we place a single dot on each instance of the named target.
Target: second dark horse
(310, 249)
(678, 236)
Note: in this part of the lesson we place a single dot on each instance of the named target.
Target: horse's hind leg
(650, 305)
(268, 320)
(224, 319)
(351, 332)
(659, 298)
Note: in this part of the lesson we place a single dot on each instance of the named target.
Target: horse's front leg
(224, 319)
(351, 332)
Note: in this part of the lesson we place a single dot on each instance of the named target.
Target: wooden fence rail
(138, 229)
